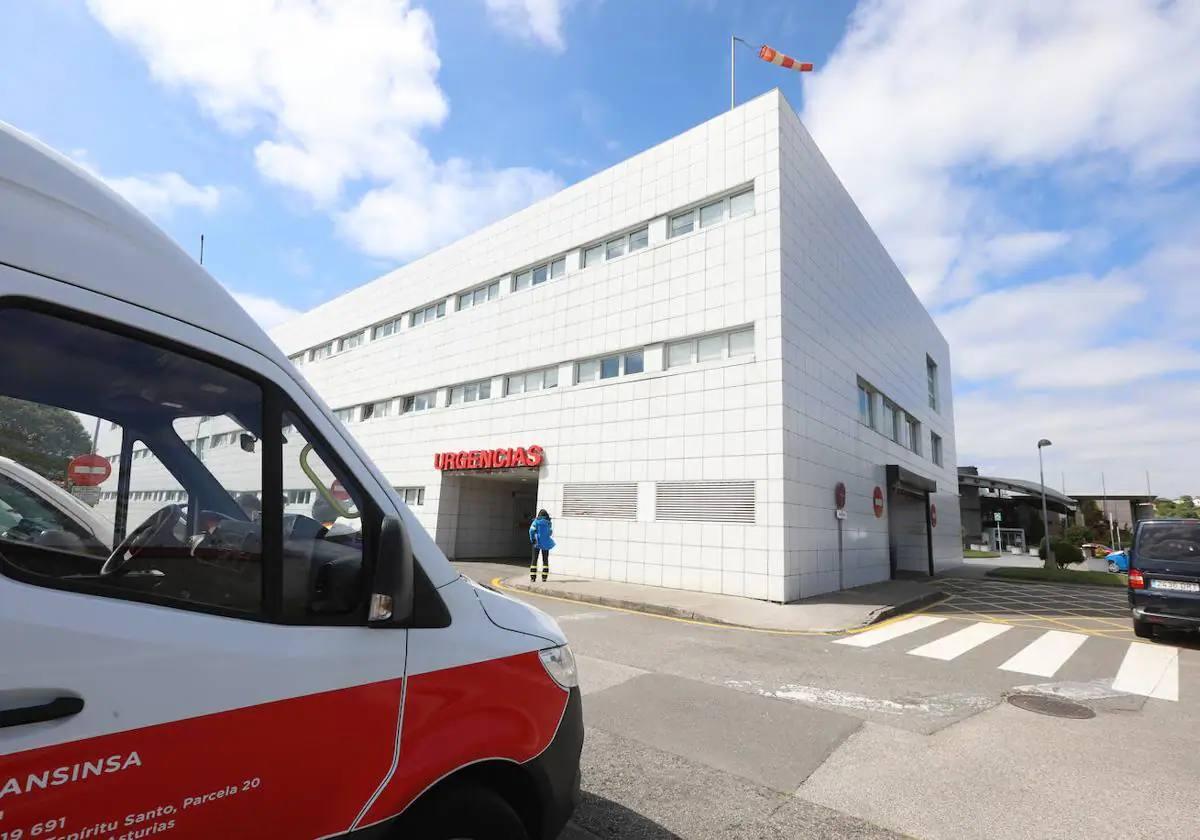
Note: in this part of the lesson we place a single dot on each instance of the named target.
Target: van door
(207, 670)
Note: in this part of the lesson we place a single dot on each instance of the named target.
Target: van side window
(323, 553)
(181, 527)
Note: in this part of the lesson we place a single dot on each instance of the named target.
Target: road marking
(1046, 654)
(891, 631)
(960, 641)
(1149, 670)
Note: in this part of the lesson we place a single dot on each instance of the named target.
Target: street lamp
(1045, 515)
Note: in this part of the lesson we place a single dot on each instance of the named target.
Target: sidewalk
(831, 613)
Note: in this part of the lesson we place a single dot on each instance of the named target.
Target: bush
(1065, 552)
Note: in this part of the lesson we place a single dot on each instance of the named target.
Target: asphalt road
(697, 731)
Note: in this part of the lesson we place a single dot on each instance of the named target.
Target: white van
(212, 672)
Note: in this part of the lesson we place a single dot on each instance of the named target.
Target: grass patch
(972, 553)
(1086, 578)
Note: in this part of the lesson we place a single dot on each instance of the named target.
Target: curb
(912, 604)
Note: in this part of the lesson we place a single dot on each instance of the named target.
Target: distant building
(1003, 513)
(1125, 510)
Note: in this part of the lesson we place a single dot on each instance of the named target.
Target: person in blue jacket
(540, 537)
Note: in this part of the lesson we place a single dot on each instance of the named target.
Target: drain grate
(1044, 704)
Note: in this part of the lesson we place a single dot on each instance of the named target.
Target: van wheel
(464, 812)
(1143, 629)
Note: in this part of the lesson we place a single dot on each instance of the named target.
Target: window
(471, 392)
(931, 373)
(346, 415)
(349, 342)
(913, 429)
(610, 367)
(639, 239)
(412, 496)
(534, 380)
(298, 497)
(539, 274)
(741, 204)
(374, 410)
(385, 329)
(891, 420)
(419, 402)
(614, 248)
(322, 352)
(297, 360)
(866, 405)
(935, 448)
(593, 255)
(710, 348)
(710, 214)
(429, 313)
(683, 223)
(135, 544)
(479, 296)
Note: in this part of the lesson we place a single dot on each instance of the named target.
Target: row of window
(293, 497)
(412, 495)
(705, 348)
(705, 215)
(896, 423)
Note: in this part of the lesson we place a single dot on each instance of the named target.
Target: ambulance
(215, 669)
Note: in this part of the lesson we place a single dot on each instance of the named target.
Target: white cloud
(267, 311)
(923, 99)
(160, 194)
(337, 93)
(533, 20)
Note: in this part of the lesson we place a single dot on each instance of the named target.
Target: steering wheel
(161, 522)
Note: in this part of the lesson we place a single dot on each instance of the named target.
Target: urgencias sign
(490, 459)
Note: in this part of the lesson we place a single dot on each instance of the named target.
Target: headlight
(559, 663)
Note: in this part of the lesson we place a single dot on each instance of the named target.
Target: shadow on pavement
(597, 817)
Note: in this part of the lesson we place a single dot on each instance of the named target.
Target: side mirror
(392, 600)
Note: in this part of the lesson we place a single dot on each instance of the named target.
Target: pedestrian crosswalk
(1147, 670)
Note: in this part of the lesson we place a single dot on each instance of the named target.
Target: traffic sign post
(88, 470)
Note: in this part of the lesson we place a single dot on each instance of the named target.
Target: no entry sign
(877, 501)
(933, 515)
(88, 470)
(338, 491)
(839, 495)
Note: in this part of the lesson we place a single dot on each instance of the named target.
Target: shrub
(1066, 553)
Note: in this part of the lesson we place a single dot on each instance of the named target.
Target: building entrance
(486, 516)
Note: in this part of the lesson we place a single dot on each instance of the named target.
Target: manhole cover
(1044, 704)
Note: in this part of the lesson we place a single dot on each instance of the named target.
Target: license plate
(1175, 585)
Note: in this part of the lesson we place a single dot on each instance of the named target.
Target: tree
(1181, 509)
(41, 437)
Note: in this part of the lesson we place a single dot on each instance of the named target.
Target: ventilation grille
(705, 501)
(600, 501)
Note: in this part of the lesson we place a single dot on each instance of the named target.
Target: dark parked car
(1164, 575)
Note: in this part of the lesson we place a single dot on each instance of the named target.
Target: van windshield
(1170, 541)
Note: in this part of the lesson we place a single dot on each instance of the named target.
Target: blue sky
(1031, 167)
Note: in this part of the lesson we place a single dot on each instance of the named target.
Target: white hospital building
(680, 358)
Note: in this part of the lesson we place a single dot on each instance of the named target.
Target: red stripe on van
(505, 708)
(301, 767)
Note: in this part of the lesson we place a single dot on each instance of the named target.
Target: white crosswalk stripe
(1149, 670)
(1146, 670)
(1046, 654)
(960, 641)
(890, 631)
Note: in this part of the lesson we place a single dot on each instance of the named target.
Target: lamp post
(1045, 515)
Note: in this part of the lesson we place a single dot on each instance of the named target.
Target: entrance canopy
(1015, 487)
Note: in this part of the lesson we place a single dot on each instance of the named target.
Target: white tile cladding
(700, 316)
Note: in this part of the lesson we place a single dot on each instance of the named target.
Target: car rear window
(1170, 541)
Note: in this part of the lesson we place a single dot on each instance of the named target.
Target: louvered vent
(705, 501)
(600, 501)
